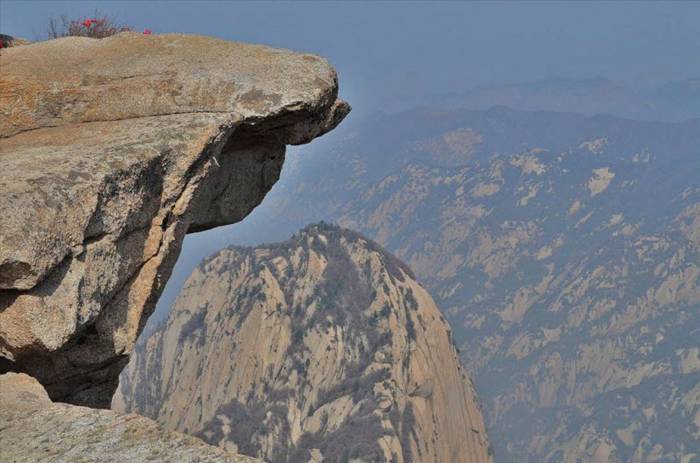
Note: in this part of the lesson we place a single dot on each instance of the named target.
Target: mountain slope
(323, 346)
(563, 250)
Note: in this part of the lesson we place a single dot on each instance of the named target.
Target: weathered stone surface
(320, 348)
(33, 430)
(112, 150)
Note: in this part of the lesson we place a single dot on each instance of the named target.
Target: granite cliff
(112, 151)
(320, 348)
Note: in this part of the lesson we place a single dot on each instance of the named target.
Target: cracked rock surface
(33, 429)
(112, 150)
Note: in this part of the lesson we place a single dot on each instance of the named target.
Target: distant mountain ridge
(564, 251)
(670, 101)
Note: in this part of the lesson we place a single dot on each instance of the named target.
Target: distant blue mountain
(672, 101)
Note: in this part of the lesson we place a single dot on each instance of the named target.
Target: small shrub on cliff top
(97, 27)
(7, 41)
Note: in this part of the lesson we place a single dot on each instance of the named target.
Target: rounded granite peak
(319, 348)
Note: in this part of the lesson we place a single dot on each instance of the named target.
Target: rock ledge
(112, 151)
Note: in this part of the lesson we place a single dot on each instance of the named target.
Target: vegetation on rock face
(356, 365)
(98, 26)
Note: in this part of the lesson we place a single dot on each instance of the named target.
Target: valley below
(509, 273)
(562, 249)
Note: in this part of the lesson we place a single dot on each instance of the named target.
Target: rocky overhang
(112, 150)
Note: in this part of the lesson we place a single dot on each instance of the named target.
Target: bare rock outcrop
(112, 150)
(33, 429)
(320, 348)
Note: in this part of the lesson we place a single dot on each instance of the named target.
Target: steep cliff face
(33, 430)
(321, 348)
(112, 150)
(564, 250)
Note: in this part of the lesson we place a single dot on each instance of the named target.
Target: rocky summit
(320, 348)
(112, 151)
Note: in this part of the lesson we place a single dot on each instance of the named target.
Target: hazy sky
(394, 52)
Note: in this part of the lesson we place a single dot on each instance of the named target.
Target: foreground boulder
(33, 429)
(321, 348)
(114, 149)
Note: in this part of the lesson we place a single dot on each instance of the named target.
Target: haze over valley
(350, 232)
